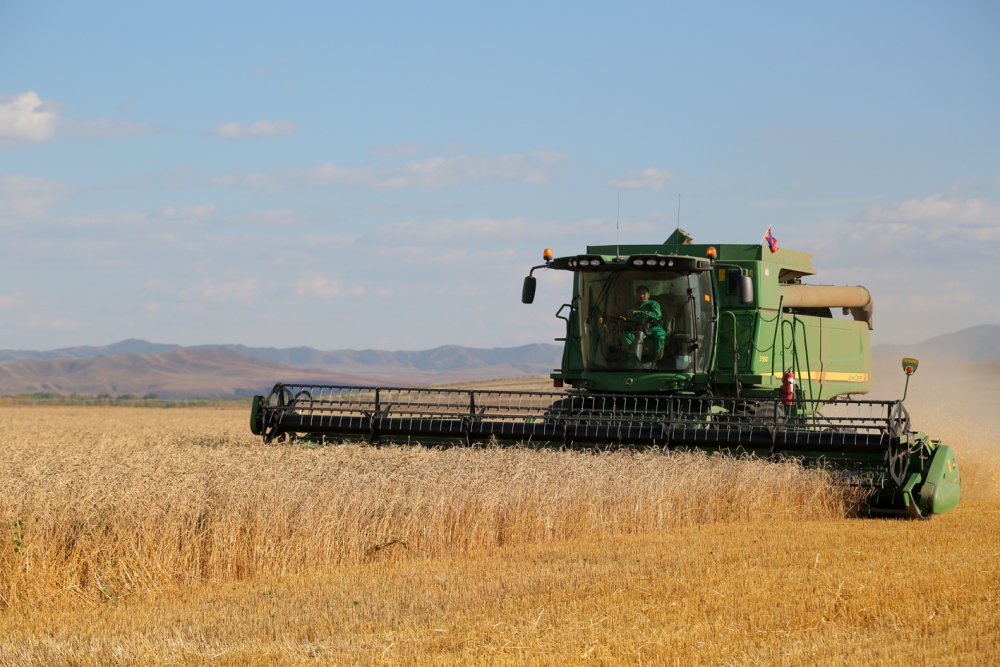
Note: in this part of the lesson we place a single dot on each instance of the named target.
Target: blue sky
(383, 175)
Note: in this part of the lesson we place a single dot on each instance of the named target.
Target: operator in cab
(646, 320)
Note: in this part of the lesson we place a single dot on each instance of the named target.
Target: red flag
(772, 240)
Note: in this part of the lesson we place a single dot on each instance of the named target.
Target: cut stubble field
(142, 536)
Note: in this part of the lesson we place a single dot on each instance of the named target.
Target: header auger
(677, 346)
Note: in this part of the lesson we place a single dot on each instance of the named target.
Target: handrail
(795, 324)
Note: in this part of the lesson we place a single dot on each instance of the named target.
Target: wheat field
(108, 502)
(146, 536)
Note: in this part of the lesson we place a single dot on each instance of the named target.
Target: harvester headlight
(712, 253)
(638, 262)
(584, 262)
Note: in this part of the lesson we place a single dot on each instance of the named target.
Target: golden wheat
(139, 536)
(858, 592)
(104, 502)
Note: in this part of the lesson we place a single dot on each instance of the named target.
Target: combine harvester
(677, 346)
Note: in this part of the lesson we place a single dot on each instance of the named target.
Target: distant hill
(141, 368)
(975, 344)
(130, 346)
(177, 373)
(523, 360)
(471, 363)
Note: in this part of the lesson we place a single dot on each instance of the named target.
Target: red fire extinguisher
(788, 388)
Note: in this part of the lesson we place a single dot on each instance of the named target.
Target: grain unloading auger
(676, 346)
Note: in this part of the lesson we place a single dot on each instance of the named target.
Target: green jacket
(654, 321)
(651, 309)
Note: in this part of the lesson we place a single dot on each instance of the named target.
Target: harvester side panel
(829, 357)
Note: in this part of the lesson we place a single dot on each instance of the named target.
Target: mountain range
(142, 368)
(972, 345)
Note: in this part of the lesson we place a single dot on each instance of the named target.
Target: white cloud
(110, 220)
(176, 179)
(924, 255)
(199, 212)
(944, 222)
(649, 178)
(13, 300)
(936, 217)
(278, 217)
(320, 286)
(240, 291)
(436, 172)
(809, 202)
(939, 208)
(26, 197)
(499, 230)
(24, 118)
(129, 224)
(260, 128)
(429, 174)
(40, 322)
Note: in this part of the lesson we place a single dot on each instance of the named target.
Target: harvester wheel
(271, 432)
(280, 396)
(274, 433)
(899, 420)
(303, 396)
(898, 462)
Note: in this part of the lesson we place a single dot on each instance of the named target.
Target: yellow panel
(828, 376)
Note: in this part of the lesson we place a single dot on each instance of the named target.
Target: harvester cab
(677, 346)
(728, 320)
(643, 322)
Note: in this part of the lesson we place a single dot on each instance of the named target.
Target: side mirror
(528, 290)
(744, 288)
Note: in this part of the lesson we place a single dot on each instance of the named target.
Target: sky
(383, 175)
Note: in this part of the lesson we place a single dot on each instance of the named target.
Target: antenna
(618, 227)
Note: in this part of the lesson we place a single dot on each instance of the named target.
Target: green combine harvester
(676, 346)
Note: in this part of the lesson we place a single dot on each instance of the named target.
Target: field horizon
(141, 368)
